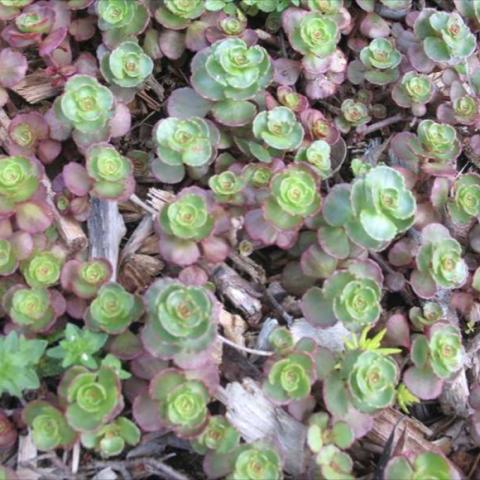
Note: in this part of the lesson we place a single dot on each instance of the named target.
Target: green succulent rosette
(279, 129)
(86, 104)
(334, 463)
(231, 70)
(293, 197)
(424, 465)
(445, 37)
(464, 205)
(219, 436)
(429, 314)
(439, 261)
(110, 440)
(8, 260)
(446, 350)
(31, 308)
(177, 14)
(190, 142)
(111, 172)
(42, 269)
(181, 402)
(353, 114)
(350, 296)
(290, 378)
(227, 187)
(187, 218)
(381, 60)
(256, 461)
(315, 34)
(439, 141)
(317, 156)
(466, 109)
(93, 398)
(120, 20)
(322, 431)
(380, 208)
(85, 278)
(113, 309)
(48, 425)
(413, 89)
(372, 381)
(19, 180)
(127, 65)
(281, 340)
(181, 320)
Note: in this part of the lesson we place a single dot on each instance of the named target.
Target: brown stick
(36, 87)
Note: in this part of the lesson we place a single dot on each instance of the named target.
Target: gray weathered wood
(105, 231)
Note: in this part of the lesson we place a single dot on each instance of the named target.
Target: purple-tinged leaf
(14, 67)
(185, 103)
(76, 179)
(423, 383)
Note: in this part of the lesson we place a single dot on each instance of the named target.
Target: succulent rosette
(464, 205)
(351, 296)
(180, 402)
(186, 227)
(183, 143)
(372, 381)
(177, 14)
(110, 440)
(445, 37)
(110, 172)
(279, 129)
(429, 314)
(85, 278)
(11, 8)
(422, 465)
(227, 187)
(439, 262)
(353, 114)
(93, 398)
(121, 19)
(42, 269)
(436, 357)
(381, 60)
(316, 155)
(293, 197)
(375, 209)
(48, 425)
(127, 66)
(219, 436)
(334, 463)
(113, 309)
(311, 33)
(35, 309)
(439, 141)
(26, 133)
(290, 378)
(413, 91)
(182, 320)
(230, 69)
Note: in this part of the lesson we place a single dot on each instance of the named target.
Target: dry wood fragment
(36, 87)
(234, 326)
(238, 291)
(138, 271)
(255, 417)
(4, 123)
(454, 397)
(143, 230)
(105, 231)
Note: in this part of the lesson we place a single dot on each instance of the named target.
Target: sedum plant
(35, 309)
(19, 358)
(351, 296)
(316, 155)
(381, 60)
(181, 320)
(180, 402)
(127, 66)
(439, 141)
(48, 425)
(464, 205)
(445, 37)
(78, 347)
(42, 269)
(218, 436)
(423, 465)
(227, 187)
(413, 91)
(439, 262)
(353, 114)
(84, 279)
(278, 129)
(110, 440)
(113, 309)
(8, 260)
(311, 33)
(289, 378)
(93, 398)
(177, 14)
(426, 316)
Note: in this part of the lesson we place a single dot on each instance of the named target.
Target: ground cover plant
(240, 239)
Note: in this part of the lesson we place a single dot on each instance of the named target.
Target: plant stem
(381, 124)
(263, 353)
